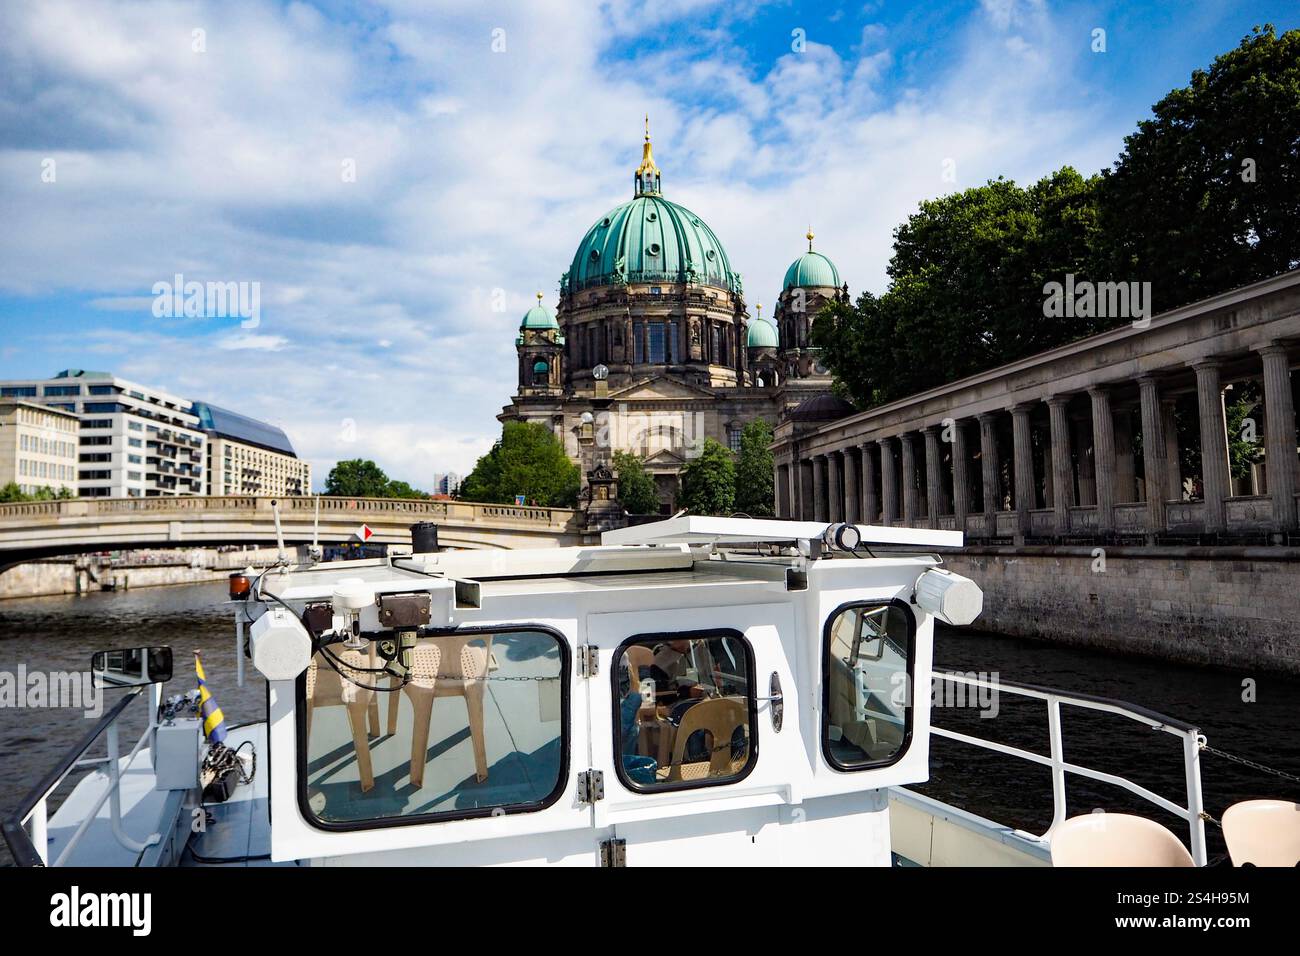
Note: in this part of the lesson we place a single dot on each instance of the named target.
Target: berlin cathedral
(652, 348)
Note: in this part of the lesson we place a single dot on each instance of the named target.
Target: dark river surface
(59, 633)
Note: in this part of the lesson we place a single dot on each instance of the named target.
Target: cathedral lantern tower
(762, 345)
(810, 283)
(540, 346)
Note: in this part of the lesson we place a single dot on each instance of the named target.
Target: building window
(656, 343)
(638, 339)
(686, 710)
(674, 353)
(18, 391)
(867, 713)
(503, 749)
(733, 437)
(62, 390)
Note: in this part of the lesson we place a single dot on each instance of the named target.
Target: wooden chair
(718, 717)
(326, 688)
(1116, 839)
(637, 656)
(447, 667)
(1263, 833)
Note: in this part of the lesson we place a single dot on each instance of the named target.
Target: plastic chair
(326, 688)
(719, 717)
(1263, 833)
(447, 667)
(1116, 839)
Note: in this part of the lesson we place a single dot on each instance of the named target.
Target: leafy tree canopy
(527, 460)
(754, 471)
(709, 481)
(12, 492)
(636, 488)
(362, 478)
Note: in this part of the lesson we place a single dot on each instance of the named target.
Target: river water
(59, 633)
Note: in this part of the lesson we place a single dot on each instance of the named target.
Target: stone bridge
(39, 529)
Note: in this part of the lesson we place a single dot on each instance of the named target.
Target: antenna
(282, 556)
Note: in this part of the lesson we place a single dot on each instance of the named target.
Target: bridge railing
(297, 507)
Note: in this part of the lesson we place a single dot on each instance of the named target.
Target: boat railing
(25, 830)
(1193, 811)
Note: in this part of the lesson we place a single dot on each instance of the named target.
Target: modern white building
(446, 483)
(249, 457)
(38, 447)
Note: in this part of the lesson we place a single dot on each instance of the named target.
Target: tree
(1205, 196)
(755, 471)
(12, 492)
(400, 489)
(636, 488)
(966, 289)
(357, 478)
(709, 481)
(528, 460)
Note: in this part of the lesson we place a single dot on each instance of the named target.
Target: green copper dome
(762, 335)
(539, 317)
(811, 270)
(650, 239)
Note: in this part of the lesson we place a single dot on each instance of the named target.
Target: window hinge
(613, 852)
(588, 664)
(591, 786)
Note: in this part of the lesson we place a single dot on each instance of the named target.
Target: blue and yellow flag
(214, 722)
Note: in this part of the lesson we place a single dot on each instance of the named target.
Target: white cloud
(475, 171)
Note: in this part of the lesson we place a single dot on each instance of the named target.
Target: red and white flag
(364, 532)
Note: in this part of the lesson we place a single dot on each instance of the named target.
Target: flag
(365, 532)
(214, 722)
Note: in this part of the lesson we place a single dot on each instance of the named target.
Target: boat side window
(685, 710)
(478, 726)
(867, 717)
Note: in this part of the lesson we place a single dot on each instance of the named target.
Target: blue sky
(389, 301)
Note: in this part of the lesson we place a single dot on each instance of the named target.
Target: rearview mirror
(131, 667)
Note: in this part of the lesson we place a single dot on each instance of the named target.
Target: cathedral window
(657, 343)
(733, 437)
(638, 339)
(673, 352)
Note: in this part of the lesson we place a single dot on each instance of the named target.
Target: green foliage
(636, 488)
(966, 289)
(362, 478)
(528, 460)
(1204, 197)
(1244, 440)
(12, 492)
(755, 470)
(709, 481)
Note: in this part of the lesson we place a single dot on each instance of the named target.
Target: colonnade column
(1214, 444)
(1154, 451)
(991, 472)
(1023, 462)
(933, 481)
(1103, 457)
(1280, 438)
(910, 504)
(819, 488)
(960, 475)
(870, 485)
(888, 482)
(834, 497)
(852, 492)
(1062, 469)
(807, 483)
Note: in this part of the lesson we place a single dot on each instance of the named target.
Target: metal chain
(1254, 765)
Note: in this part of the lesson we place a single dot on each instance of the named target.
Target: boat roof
(703, 529)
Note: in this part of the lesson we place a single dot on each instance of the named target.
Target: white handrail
(1192, 739)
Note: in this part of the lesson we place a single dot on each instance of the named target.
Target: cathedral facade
(652, 348)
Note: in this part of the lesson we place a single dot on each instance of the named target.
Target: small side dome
(762, 335)
(811, 270)
(540, 367)
(539, 317)
(825, 407)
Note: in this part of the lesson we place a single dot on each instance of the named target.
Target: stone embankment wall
(142, 569)
(1231, 607)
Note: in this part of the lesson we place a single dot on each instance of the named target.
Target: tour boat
(697, 690)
